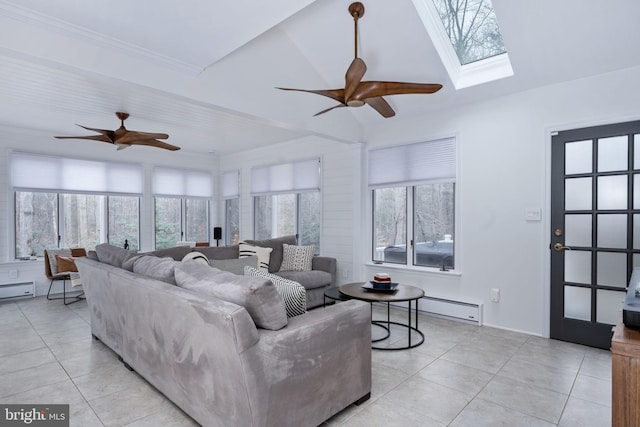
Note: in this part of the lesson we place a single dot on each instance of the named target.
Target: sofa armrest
(319, 363)
(325, 263)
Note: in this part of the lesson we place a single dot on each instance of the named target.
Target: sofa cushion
(235, 266)
(263, 254)
(276, 245)
(309, 279)
(197, 257)
(112, 255)
(257, 295)
(219, 252)
(156, 268)
(296, 258)
(293, 293)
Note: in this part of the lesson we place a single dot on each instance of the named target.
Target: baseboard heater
(19, 289)
(459, 310)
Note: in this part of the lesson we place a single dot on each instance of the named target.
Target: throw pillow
(66, 264)
(263, 254)
(53, 262)
(257, 295)
(112, 255)
(293, 293)
(235, 266)
(196, 256)
(156, 268)
(297, 258)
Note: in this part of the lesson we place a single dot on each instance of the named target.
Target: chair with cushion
(59, 265)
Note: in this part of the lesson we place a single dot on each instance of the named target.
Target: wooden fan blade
(329, 109)
(352, 78)
(105, 132)
(132, 135)
(102, 138)
(153, 143)
(374, 89)
(335, 94)
(381, 106)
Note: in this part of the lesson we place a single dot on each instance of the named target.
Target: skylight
(468, 39)
(472, 28)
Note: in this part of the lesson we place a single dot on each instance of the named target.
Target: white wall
(37, 142)
(504, 169)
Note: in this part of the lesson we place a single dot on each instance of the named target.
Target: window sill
(415, 269)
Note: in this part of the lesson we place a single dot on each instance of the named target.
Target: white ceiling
(205, 71)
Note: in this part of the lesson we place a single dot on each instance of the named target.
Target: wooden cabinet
(625, 376)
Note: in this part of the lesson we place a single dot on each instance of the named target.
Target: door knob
(560, 247)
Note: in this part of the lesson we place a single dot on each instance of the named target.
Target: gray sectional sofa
(197, 342)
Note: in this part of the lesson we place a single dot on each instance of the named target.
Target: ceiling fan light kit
(123, 138)
(356, 92)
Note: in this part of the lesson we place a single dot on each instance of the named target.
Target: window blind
(286, 178)
(182, 183)
(231, 184)
(60, 174)
(413, 164)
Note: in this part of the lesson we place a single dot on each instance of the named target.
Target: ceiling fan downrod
(356, 10)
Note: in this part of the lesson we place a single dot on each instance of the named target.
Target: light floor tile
(63, 392)
(128, 405)
(383, 413)
(19, 340)
(525, 398)
(582, 413)
(107, 380)
(486, 360)
(32, 378)
(538, 375)
(592, 389)
(456, 376)
(481, 413)
(25, 360)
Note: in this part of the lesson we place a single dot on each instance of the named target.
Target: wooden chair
(64, 276)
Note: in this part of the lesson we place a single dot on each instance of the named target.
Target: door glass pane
(612, 192)
(578, 194)
(609, 306)
(612, 231)
(636, 191)
(577, 230)
(636, 151)
(636, 231)
(612, 269)
(577, 267)
(577, 303)
(613, 154)
(578, 157)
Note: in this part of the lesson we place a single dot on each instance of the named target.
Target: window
(181, 206)
(74, 203)
(468, 40)
(413, 194)
(286, 201)
(231, 195)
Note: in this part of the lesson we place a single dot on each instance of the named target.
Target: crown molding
(40, 20)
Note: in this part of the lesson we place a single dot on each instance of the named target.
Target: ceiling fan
(123, 138)
(356, 92)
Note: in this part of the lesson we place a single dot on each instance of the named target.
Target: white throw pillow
(297, 258)
(196, 256)
(263, 254)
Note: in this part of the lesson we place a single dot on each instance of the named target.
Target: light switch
(533, 214)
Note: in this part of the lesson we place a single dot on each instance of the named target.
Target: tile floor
(462, 375)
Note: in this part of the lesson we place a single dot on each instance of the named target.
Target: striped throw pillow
(297, 258)
(293, 293)
(263, 254)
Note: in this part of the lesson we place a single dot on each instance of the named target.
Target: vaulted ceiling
(205, 71)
